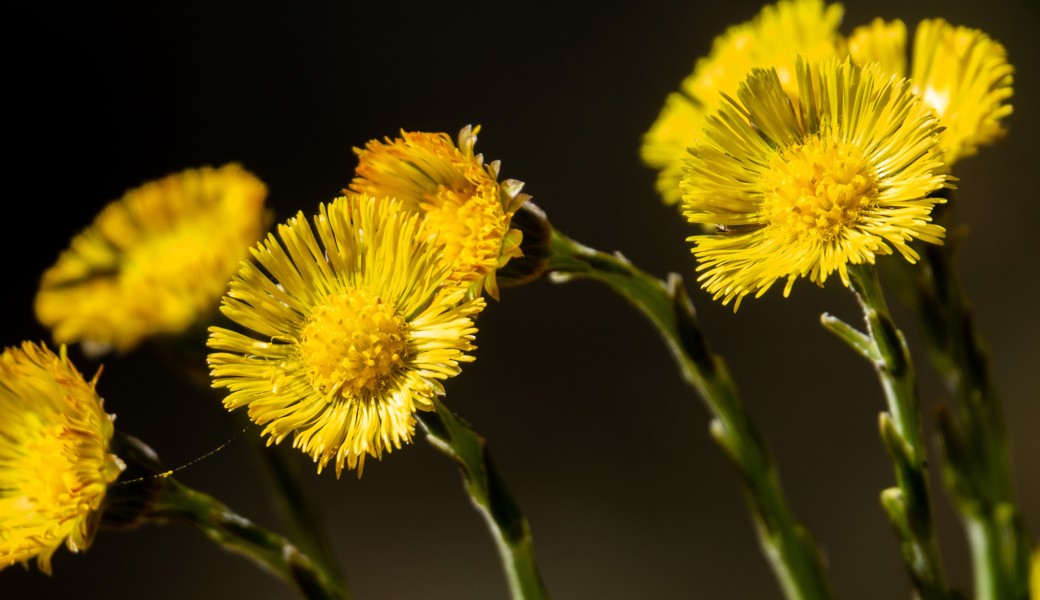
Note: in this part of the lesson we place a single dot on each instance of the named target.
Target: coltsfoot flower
(351, 331)
(773, 38)
(961, 73)
(155, 261)
(460, 198)
(803, 189)
(55, 464)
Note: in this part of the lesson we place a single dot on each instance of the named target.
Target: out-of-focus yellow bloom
(804, 189)
(773, 38)
(881, 42)
(964, 75)
(155, 261)
(961, 73)
(460, 198)
(352, 331)
(54, 461)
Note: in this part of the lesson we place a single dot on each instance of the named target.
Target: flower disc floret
(820, 189)
(352, 344)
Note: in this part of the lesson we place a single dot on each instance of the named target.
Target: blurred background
(606, 451)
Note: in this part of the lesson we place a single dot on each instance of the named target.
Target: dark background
(607, 453)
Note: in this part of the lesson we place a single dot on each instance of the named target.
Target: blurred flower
(961, 73)
(802, 190)
(154, 261)
(881, 42)
(459, 197)
(352, 331)
(1034, 577)
(54, 460)
(773, 38)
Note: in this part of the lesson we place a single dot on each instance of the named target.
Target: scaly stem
(909, 504)
(271, 551)
(791, 551)
(978, 469)
(455, 438)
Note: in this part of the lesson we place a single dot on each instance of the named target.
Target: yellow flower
(961, 73)
(54, 461)
(881, 42)
(1034, 576)
(352, 331)
(964, 75)
(774, 38)
(460, 197)
(804, 189)
(155, 261)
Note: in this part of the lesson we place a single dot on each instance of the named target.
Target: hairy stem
(791, 551)
(978, 468)
(455, 438)
(236, 533)
(908, 505)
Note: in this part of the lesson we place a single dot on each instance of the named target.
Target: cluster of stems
(976, 466)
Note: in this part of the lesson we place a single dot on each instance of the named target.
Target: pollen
(820, 190)
(352, 344)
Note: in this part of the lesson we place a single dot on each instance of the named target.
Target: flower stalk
(152, 495)
(291, 492)
(237, 534)
(456, 439)
(908, 505)
(791, 551)
(299, 510)
(977, 467)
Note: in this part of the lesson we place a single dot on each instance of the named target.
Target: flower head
(352, 331)
(154, 261)
(460, 198)
(961, 73)
(54, 461)
(805, 188)
(964, 75)
(774, 38)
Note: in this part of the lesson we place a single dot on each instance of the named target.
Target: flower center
(819, 190)
(353, 343)
(469, 226)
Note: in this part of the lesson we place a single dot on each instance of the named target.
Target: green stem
(226, 528)
(299, 511)
(791, 551)
(455, 438)
(978, 469)
(296, 505)
(909, 504)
